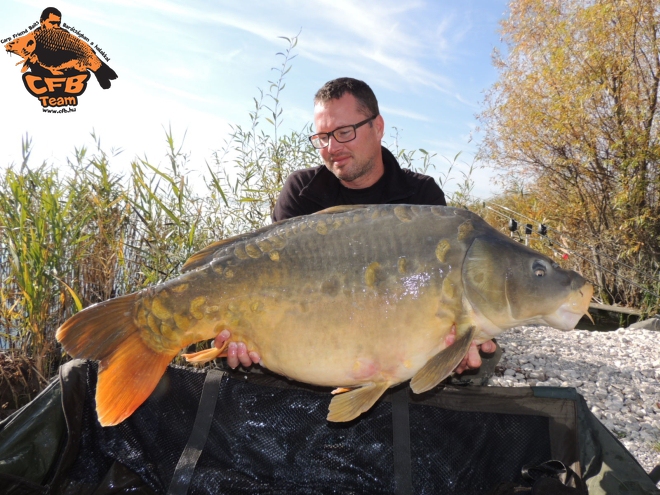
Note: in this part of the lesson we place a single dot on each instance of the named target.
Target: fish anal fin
(206, 355)
(127, 378)
(442, 364)
(349, 405)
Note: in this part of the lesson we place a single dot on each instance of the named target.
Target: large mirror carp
(358, 297)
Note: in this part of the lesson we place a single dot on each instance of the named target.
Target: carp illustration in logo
(50, 51)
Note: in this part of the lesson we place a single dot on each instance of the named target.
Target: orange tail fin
(129, 369)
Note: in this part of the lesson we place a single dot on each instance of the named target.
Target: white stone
(616, 372)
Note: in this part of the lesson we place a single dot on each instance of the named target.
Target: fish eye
(539, 269)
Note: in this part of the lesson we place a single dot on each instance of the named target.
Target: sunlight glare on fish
(414, 284)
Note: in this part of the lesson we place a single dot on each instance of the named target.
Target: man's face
(53, 21)
(358, 163)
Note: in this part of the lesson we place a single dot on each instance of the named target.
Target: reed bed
(74, 237)
(71, 238)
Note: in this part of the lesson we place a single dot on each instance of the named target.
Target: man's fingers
(473, 357)
(471, 361)
(462, 366)
(488, 347)
(237, 352)
(450, 338)
(243, 356)
(255, 357)
(221, 338)
(232, 357)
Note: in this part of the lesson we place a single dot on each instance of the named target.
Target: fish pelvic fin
(129, 369)
(349, 405)
(442, 364)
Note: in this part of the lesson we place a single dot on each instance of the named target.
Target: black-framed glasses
(342, 134)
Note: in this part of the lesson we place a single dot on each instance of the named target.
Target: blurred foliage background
(571, 123)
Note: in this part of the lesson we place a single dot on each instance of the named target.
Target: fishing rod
(571, 239)
(575, 253)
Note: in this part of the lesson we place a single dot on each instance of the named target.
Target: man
(51, 18)
(357, 170)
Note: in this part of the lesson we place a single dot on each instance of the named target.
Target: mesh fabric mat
(268, 439)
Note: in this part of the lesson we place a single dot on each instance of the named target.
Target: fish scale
(65, 49)
(361, 298)
(59, 39)
(59, 52)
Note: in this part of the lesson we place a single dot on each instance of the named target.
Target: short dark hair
(360, 90)
(49, 10)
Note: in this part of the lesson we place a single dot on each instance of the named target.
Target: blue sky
(197, 65)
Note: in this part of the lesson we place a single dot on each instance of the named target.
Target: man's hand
(237, 352)
(472, 359)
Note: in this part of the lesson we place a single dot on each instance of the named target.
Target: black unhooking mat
(231, 433)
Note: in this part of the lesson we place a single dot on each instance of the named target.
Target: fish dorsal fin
(204, 256)
(349, 405)
(442, 364)
(207, 254)
(341, 209)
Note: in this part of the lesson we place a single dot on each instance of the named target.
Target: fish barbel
(358, 297)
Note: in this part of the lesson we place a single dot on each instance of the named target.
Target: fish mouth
(569, 314)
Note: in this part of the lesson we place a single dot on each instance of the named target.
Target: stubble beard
(351, 173)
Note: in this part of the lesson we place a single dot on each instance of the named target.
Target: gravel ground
(618, 373)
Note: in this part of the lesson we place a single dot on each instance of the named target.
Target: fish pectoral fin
(349, 405)
(442, 364)
(206, 355)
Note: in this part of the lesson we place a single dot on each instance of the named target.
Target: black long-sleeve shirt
(313, 189)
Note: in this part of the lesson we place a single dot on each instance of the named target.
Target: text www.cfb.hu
(61, 110)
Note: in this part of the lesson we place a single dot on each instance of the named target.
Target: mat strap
(200, 432)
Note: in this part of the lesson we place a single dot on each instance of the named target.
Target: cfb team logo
(56, 63)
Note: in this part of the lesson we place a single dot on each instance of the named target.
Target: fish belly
(348, 341)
